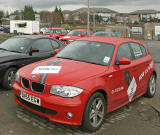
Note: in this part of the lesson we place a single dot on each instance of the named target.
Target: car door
(140, 65)
(45, 50)
(121, 77)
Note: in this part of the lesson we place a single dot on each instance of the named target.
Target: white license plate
(31, 99)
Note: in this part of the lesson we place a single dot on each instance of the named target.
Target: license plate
(31, 99)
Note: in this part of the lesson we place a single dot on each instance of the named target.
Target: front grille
(25, 83)
(36, 107)
(38, 87)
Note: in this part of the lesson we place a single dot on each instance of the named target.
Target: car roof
(31, 36)
(80, 30)
(111, 40)
(54, 28)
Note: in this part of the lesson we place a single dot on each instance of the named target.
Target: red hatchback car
(56, 32)
(75, 34)
(87, 79)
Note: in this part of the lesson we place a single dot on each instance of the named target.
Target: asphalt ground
(142, 117)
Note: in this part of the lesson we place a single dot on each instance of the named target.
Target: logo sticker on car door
(132, 89)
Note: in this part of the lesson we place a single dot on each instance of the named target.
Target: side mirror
(33, 50)
(56, 51)
(124, 61)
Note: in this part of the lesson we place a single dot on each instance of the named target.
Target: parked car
(6, 30)
(22, 50)
(56, 32)
(75, 34)
(43, 30)
(87, 79)
(105, 34)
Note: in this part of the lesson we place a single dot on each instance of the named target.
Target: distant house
(142, 15)
(37, 17)
(81, 14)
(122, 18)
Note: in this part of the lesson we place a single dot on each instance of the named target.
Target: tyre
(151, 90)
(9, 78)
(94, 113)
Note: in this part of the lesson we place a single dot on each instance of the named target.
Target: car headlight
(65, 91)
(17, 77)
(70, 40)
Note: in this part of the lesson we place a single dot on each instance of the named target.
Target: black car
(22, 50)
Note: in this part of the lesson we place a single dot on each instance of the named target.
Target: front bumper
(53, 107)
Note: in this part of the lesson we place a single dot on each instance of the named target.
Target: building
(107, 15)
(122, 18)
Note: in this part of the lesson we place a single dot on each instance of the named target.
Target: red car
(56, 32)
(75, 34)
(87, 79)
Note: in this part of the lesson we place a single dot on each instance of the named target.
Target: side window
(143, 50)
(136, 50)
(54, 44)
(124, 52)
(86, 33)
(43, 45)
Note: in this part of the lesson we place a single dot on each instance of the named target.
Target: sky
(123, 6)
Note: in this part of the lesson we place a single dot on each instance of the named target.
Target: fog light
(69, 115)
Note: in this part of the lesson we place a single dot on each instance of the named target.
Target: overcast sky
(118, 5)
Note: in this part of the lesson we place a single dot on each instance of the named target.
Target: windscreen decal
(106, 59)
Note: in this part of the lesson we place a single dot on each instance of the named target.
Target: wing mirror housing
(56, 51)
(124, 61)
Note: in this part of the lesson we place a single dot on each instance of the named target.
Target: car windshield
(88, 51)
(64, 31)
(15, 44)
(74, 33)
(55, 31)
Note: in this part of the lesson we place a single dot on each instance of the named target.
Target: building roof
(96, 10)
(147, 11)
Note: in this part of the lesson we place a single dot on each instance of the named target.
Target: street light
(88, 15)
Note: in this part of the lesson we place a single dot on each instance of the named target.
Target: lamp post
(88, 27)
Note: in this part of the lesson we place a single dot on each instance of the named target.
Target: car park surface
(19, 51)
(110, 80)
(75, 34)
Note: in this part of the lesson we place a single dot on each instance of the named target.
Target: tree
(1, 16)
(57, 16)
(29, 13)
(61, 14)
(17, 17)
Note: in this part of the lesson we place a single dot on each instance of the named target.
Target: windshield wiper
(14, 51)
(3, 49)
(66, 58)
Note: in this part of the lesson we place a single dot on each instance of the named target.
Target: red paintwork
(71, 37)
(57, 35)
(124, 61)
(90, 78)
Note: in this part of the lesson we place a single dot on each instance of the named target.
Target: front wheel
(94, 112)
(151, 90)
(9, 78)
